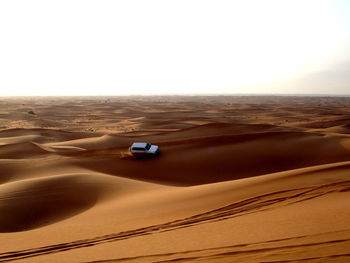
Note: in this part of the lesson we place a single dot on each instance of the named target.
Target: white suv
(140, 148)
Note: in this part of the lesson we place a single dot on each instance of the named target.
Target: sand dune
(21, 150)
(239, 179)
(34, 203)
(225, 157)
(95, 143)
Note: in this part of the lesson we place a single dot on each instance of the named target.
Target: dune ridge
(248, 206)
(239, 179)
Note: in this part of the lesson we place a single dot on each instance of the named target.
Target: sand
(239, 179)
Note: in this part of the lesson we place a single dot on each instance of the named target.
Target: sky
(131, 47)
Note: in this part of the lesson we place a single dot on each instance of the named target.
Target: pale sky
(174, 47)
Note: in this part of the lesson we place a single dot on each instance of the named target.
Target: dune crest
(238, 179)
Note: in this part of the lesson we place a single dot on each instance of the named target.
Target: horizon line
(189, 95)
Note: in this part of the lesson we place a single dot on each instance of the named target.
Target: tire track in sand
(244, 207)
(287, 250)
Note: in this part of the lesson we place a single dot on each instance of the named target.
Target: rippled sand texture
(239, 179)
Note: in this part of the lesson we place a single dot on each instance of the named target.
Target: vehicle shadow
(130, 156)
(145, 156)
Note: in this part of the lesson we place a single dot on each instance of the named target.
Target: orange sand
(239, 179)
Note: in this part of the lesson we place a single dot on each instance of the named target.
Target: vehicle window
(138, 149)
(148, 146)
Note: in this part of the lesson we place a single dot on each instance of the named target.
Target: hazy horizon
(92, 48)
(191, 95)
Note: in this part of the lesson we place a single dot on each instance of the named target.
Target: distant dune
(239, 179)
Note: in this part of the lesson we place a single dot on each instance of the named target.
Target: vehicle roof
(139, 144)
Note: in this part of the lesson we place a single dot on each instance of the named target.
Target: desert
(238, 179)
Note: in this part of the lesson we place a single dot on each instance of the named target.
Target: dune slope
(239, 179)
